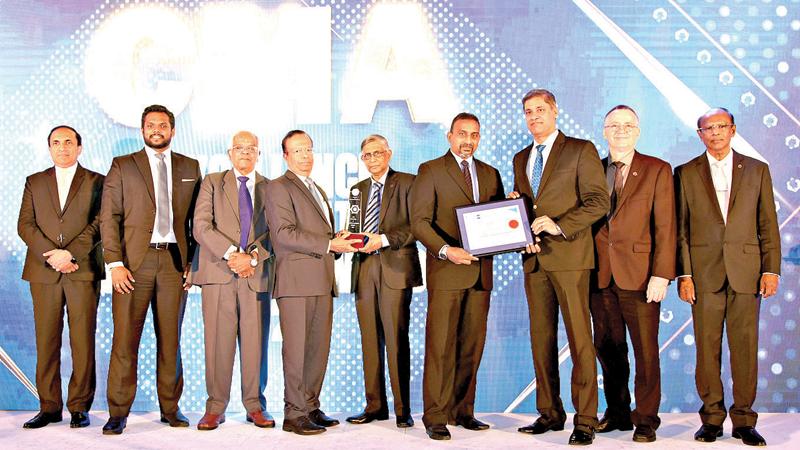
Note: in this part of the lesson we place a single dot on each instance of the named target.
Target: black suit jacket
(400, 261)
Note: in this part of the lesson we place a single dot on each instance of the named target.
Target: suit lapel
(142, 163)
(231, 189)
(635, 173)
(52, 186)
(552, 162)
(525, 188)
(258, 206)
(736, 178)
(455, 173)
(306, 192)
(483, 174)
(704, 171)
(80, 172)
(386, 198)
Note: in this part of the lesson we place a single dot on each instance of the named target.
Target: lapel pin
(739, 166)
(635, 173)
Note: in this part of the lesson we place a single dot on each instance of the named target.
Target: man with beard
(459, 284)
(145, 223)
(233, 267)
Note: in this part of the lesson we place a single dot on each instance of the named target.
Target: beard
(165, 141)
(465, 151)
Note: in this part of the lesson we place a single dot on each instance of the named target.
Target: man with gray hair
(384, 272)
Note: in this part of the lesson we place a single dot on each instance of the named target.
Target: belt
(162, 245)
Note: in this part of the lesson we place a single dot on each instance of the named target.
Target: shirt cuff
(329, 247)
(770, 273)
(684, 276)
(115, 264)
(443, 251)
(232, 249)
(384, 241)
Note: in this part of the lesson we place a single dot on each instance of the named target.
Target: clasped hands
(61, 260)
(239, 263)
(341, 243)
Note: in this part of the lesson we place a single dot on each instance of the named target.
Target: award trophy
(354, 219)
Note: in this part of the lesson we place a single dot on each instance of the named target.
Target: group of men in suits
(609, 235)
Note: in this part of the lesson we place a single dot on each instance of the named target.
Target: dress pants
(233, 312)
(738, 314)
(383, 315)
(455, 334)
(159, 285)
(306, 328)
(615, 310)
(547, 292)
(80, 299)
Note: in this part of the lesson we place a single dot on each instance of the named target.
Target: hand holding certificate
(494, 227)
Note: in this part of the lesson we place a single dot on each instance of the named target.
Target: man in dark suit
(561, 180)
(301, 229)
(233, 265)
(145, 222)
(635, 245)
(459, 284)
(58, 220)
(729, 257)
(383, 274)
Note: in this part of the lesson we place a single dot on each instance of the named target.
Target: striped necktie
(373, 209)
(538, 166)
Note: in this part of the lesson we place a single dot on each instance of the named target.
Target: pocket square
(187, 179)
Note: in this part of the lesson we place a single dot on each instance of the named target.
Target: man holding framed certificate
(459, 284)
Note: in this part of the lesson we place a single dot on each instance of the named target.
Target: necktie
(538, 166)
(467, 178)
(318, 198)
(162, 197)
(722, 187)
(245, 213)
(617, 186)
(373, 209)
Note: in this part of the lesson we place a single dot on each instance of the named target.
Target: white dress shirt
(64, 176)
(721, 175)
(151, 157)
(475, 191)
(382, 181)
(548, 145)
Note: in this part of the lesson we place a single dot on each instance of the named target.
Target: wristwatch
(253, 262)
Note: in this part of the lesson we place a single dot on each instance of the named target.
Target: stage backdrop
(344, 69)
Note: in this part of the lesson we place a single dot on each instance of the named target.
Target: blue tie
(538, 165)
(373, 209)
(245, 213)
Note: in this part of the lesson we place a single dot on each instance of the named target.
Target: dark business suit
(126, 224)
(458, 295)
(234, 308)
(44, 226)
(573, 193)
(636, 242)
(726, 263)
(382, 283)
(304, 287)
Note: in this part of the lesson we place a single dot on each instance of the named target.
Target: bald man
(233, 266)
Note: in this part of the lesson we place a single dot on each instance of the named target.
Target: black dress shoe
(471, 423)
(42, 419)
(79, 420)
(367, 417)
(579, 437)
(749, 436)
(540, 426)
(708, 433)
(405, 421)
(319, 418)
(302, 426)
(176, 419)
(115, 425)
(644, 433)
(438, 432)
(611, 423)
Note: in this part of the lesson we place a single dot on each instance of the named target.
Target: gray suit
(232, 306)
(304, 287)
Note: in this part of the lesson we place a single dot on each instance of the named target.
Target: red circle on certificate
(513, 224)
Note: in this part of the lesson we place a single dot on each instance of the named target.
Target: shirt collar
(547, 142)
(151, 153)
(66, 170)
(251, 177)
(459, 159)
(727, 161)
(382, 179)
(626, 159)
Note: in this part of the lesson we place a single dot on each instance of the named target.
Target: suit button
(60, 220)
(534, 206)
(154, 211)
(610, 244)
(149, 231)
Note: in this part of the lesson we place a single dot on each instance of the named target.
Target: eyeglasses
(249, 150)
(626, 127)
(301, 151)
(712, 128)
(374, 155)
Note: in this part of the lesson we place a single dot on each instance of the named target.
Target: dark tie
(467, 178)
(373, 209)
(245, 213)
(616, 188)
(162, 196)
(538, 166)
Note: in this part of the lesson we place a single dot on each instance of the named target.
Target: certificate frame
(470, 239)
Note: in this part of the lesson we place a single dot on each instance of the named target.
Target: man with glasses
(635, 244)
(301, 230)
(729, 257)
(383, 274)
(233, 267)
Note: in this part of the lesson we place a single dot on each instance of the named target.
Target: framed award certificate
(494, 227)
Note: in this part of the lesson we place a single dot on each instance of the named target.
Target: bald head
(244, 152)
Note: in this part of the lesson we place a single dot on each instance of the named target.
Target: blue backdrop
(345, 69)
